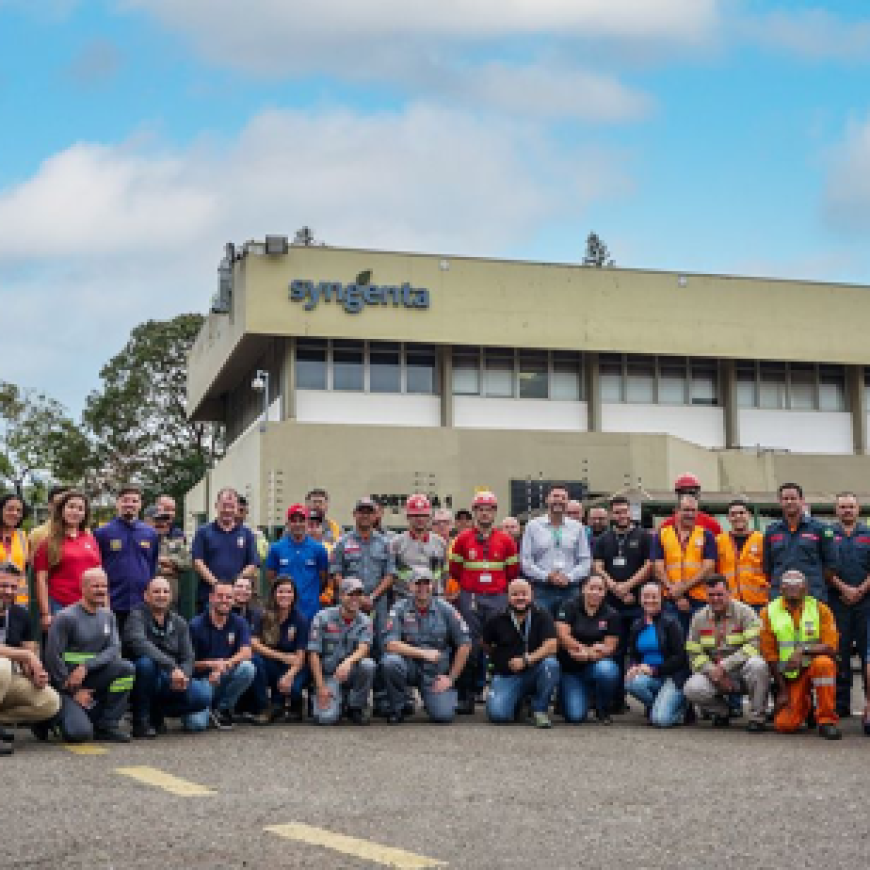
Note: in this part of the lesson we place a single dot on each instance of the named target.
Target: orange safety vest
(684, 563)
(18, 555)
(746, 579)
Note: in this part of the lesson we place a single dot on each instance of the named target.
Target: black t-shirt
(585, 628)
(505, 641)
(15, 626)
(623, 554)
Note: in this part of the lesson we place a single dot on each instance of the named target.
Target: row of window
(792, 386)
(651, 380)
(525, 374)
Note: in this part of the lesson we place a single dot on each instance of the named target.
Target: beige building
(388, 373)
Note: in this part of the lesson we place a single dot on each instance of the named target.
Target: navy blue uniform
(226, 554)
(129, 552)
(810, 549)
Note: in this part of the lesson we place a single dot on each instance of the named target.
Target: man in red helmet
(484, 560)
(418, 547)
(688, 484)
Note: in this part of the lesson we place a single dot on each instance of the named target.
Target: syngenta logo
(355, 297)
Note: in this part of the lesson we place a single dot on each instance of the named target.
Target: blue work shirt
(810, 549)
(226, 554)
(129, 553)
(306, 562)
(368, 560)
(854, 554)
(210, 642)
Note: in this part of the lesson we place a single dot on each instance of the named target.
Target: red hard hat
(686, 481)
(418, 505)
(485, 498)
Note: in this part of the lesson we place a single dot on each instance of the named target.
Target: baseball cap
(297, 509)
(150, 512)
(365, 503)
(421, 574)
(351, 584)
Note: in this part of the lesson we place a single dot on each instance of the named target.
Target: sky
(137, 137)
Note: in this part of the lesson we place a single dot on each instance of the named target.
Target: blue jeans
(225, 694)
(537, 682)
(599, 679)
(153, 698)
(550, 598)
(269, 672)
(665, 703)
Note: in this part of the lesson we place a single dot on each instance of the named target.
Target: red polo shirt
(76, 556)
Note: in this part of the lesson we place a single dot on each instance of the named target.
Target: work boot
(465, 707)
(264, 717)
(756, 726)
(6, 736)
(144, 731)
(358, 716)
(830, 732)
(720, 721)
(110, 734)
(395, 719)
(6, 748)
(293, 712)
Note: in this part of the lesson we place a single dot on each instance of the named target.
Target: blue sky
(141, 135)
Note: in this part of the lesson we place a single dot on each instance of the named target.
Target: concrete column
(288, 381)
(446, 385)
(858, 403)
(593, 391)
(728, 389)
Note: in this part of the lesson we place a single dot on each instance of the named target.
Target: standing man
(483, 562)
(173, 556)
(522, 642)
(511, 526)
(688, 484)
(83, 659)
(739, 556)
(848, 600)
(556, 557)
(599, 523)
(622, 558)
(684, 556)
(299, 556)
(222, 655)
(165, 505)
(318, 500)
(427, 644)
(464, 520)
(800, 543)
(129, 549)
(223, 549)
(799, 643)
(339, 644)
(418, 549)
(574, 510)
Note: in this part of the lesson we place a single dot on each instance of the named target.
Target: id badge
(619, 561)
(485, 578)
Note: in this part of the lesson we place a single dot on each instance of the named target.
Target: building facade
(389, 373)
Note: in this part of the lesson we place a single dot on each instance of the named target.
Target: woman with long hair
(68, 551)
(279, 655)
(13, 540)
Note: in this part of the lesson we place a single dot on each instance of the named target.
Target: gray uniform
(439, 627)
(410, 553)
(78, 637)
(370, 561)
(334, 640)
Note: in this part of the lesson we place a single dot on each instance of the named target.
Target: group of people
(687, 618)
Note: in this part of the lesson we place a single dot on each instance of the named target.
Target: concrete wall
(386, 409)
(826, 432)
(700, 425)
(474, 412)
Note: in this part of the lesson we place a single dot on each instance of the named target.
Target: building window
(772, 391)
(385, 368)
(791, 386)
(498, 373)
(420, 370)
(704, 384)
(610, 377)
(534, 375)
(832, 388)
(348, 369)
(565, 382)
(672, 381)
(311, 365)
(747, 386)
(466, 372)
(802, 387)
(640, 380)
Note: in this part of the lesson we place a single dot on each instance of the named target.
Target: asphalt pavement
(470, 795)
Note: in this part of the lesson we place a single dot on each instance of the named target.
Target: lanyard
(524, 634)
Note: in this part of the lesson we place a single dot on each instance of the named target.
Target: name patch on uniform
(115, 544)
(145, 544)
(231, 638)
(240, 541)
(291, 632)
(334, 629)
(602, 623)
(809, 536)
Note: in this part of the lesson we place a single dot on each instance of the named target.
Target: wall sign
(354, 297)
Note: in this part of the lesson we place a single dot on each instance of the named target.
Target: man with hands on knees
(418, 638)
(339, 643)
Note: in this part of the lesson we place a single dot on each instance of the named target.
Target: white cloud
(105, 236)
(847, 189)
(812, 34)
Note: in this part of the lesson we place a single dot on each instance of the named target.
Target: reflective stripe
(455, 557)
(708, 641)
(692, 646)
(699, 661)
(750, 633)
(749, 650)
(823, 681)
(734, 639)
(122, 684)
(485, 566)
(512, 560)
(75, 658)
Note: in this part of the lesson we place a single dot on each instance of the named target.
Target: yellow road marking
(85, 749)
(166, 781)
(385, 855)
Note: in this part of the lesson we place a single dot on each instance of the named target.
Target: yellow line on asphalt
(166, 781)
(378, 854)
(85, 749)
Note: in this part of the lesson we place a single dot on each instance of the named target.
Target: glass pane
(672, 382)
(704, 383)
(498, 375)
(640, 380)
(746, 397)
(466, 374)
(832, 389)
(803, 387)
(420, 374)
(385, 371)
(610, 375)
(565, 383)
(533, 375)
(772, 389)
(311, 366)
(347, 366)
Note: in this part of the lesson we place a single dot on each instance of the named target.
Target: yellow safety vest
(18, 555)
(683, 564)
(787, 636)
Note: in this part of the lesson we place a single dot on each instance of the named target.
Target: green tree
(38, 438)
(138, 416)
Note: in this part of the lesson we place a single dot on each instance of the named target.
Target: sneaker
(830, 732)
(144, 731)
(409, 709)
(222, 720)
(111, 734)
(465, 707)
(159, 725)
(358, 716)
(41, 731)
(541, 720)
(756, 726)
